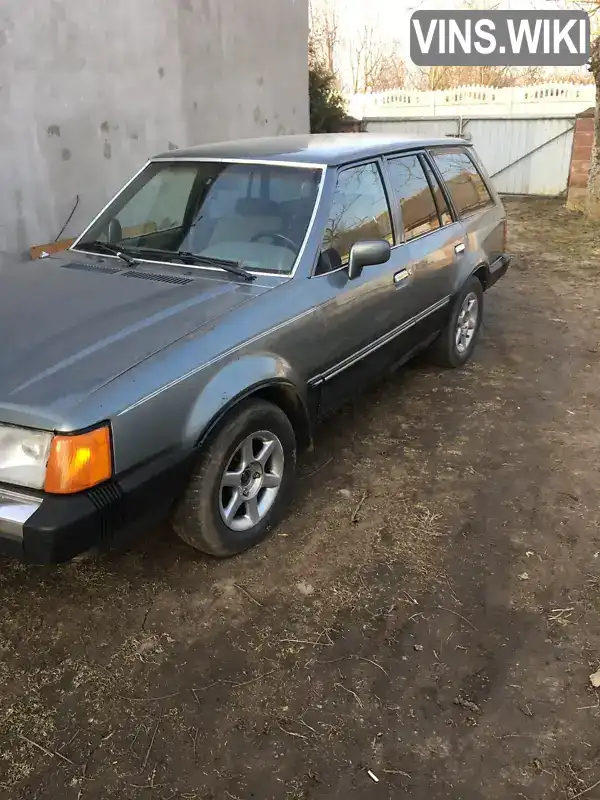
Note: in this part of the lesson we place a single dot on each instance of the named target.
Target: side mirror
(365, 254)
(114, 232)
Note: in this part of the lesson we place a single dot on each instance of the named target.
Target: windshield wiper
(185, 256)
(114, 250)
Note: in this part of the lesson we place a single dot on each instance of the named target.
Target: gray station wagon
(174, 360)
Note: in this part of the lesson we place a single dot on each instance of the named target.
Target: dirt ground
(424, 625)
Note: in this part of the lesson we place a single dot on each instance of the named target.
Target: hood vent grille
(149, 276)
(80, 265)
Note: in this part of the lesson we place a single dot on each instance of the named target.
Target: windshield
(255, 215)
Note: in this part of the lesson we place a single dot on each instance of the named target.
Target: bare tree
(376, 65)
(324, 22)
(449, 77)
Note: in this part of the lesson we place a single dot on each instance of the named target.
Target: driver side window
(359, 211)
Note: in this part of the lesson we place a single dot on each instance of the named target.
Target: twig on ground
(324, 632)
(411, 599)
(358, 700)
(252, 680)
(361, 579)
(310, 728)
(318, 469)
(248, 595)
(456, 614)
(72, 739)
(354, 517)
(148, 610)
(149, 699)
(585, 791)
(450, 589)
(306, 641)
(147, 756)
(196, 698)
(204, 688)
(137, 733)
(375, 664)
(51, 753)
(291, 733)
(150, 785)
(395, 772)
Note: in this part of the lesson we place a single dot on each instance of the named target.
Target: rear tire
(242, 483)
(455, 344)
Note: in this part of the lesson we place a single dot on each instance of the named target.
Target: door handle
(459, 248)
(401, 276)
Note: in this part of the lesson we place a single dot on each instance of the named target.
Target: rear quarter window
(467, 188)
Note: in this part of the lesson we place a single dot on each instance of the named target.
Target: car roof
(327, 149)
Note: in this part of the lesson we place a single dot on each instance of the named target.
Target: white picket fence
(538, 100)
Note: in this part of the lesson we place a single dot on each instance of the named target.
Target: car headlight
(57, 463)
(24, 456)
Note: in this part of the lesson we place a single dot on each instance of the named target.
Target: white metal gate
(524, 155)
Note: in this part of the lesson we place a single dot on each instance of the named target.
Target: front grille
(108, 499)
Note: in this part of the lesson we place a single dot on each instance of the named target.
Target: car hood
(69, 325)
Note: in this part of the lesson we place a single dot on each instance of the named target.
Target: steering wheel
(276, 237)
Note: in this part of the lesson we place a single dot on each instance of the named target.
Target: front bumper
(48, 529)
(15, 510)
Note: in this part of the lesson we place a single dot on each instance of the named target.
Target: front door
(362, 316)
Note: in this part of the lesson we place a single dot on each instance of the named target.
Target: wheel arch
(482, 273)
(278, 391)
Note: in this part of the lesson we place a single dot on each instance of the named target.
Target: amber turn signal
(78, 462)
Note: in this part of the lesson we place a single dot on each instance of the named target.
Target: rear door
(433, 243)
(481, 214)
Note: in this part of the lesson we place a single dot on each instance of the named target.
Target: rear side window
(467, 189)
(440, 199)
(419, 211)
(359, 211)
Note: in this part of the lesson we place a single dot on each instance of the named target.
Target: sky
(390, 18)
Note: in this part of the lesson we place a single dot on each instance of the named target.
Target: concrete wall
(89, 90)
(581, 156)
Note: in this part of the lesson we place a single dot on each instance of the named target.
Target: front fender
(233, 382)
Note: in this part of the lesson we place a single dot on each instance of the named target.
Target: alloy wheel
(251, 481)
(466, 324)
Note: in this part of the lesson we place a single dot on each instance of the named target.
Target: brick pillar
(583, 139)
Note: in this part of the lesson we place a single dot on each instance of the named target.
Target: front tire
(242, 483)
(455, 344)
